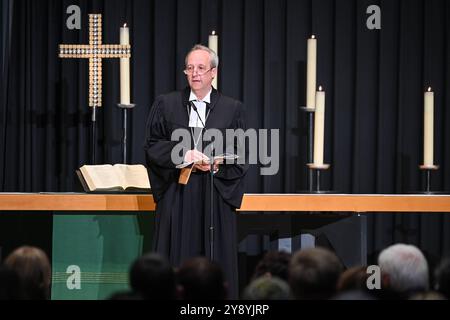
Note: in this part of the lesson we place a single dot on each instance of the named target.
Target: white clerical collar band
(206, 99)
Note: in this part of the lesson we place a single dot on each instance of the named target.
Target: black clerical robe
(183, 211)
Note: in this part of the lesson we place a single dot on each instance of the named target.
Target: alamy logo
(74, 20)
(251, 146)
(74, 280)
(374, 279)
(374, 20)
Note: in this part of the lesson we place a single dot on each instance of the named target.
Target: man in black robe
(183, 211)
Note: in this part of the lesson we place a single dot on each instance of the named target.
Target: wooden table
(358, 203)
(308, 211)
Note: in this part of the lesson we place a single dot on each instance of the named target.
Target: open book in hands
(217, 159)
(186, 167)
(118, 177)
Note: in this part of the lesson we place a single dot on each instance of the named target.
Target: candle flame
(313, 37)
(320, 88)
(429, 89)
(124, 25)
(213, 32)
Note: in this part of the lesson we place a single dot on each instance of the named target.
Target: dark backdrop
(374, 82)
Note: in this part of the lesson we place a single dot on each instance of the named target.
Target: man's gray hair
(213, 57)
(406, 266)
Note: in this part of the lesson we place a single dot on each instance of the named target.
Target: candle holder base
(307, 109)
(428, 169)
(317, 168)
(125, 108)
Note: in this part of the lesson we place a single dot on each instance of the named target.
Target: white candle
(428, 128)
(311, 73)
(124, 68)
(319, 126)
(213, 44)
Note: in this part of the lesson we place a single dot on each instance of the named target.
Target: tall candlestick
(319, 126)
(311, 73)
(213, 44)
(124, 68)
(428, 128)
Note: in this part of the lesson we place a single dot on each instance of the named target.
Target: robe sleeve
(158, 148)
(229, 180)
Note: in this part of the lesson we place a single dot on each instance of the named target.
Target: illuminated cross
(95, 51)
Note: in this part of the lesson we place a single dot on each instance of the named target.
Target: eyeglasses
(201, 70)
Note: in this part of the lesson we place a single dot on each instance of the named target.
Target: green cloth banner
(92, 254)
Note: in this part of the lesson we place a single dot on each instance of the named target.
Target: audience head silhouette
(274, 263)
(200, 278)
(313, 273)
(10, 288)
(152, 277)
(267, 288)
(442, 278)
(353, 279)
(32, 266)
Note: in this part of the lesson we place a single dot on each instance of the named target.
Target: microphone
(196, 111)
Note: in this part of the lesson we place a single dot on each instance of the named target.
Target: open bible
(187, 167)
(118, 178)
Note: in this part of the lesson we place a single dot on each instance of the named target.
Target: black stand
(125, 108)
(310, 112)
(211, 218)
(93, 134)
(428, 169)
(317, 168)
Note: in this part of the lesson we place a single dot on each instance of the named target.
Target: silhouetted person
(10, 286)
(33, 269)
(267, 288)
(274, 263)
(353, 279)
(201, 279)
(442, 278)
(183, 212)
(152, 277)
(313, 273)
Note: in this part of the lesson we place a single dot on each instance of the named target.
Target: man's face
(199, 62)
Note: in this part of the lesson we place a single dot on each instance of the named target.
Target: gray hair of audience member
(33, 269)
(213, 57)
(267, 288)
(404, 268)
(313, 273)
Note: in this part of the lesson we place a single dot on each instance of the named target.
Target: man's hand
(205, 166)
(203, 161)
(196, 156)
